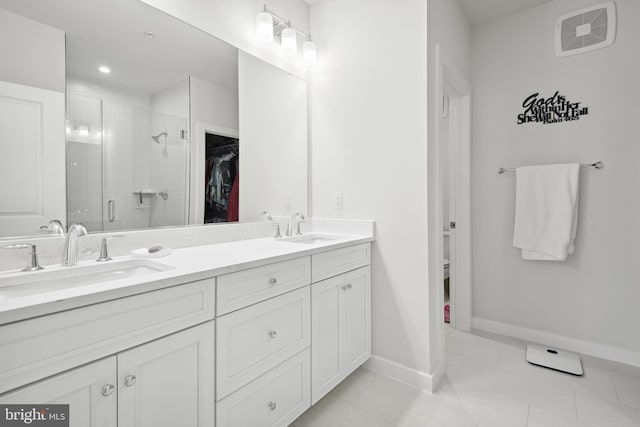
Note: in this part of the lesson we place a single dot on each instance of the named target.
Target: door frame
(447, 74)
(197, 172)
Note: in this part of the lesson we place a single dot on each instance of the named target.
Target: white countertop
(187, 265)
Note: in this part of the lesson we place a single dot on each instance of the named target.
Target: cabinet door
(327, 319)
(357, 319)
(83, 389)
(169, 382)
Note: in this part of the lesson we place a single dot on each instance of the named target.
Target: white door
(327, 319)
(32, 166)
(357, 319)
(89, 391)
(168, 382)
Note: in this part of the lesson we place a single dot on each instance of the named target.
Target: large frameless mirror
(147, 124)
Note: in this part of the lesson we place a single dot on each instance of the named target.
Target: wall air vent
(585, 30)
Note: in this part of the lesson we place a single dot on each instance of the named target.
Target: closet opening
(222, 183)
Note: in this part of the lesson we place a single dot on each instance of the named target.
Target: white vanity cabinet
(251, 348)
(169, 382)
(262, 351)
(341, 329)
(164, 383)
(89, 391)
(340, 326)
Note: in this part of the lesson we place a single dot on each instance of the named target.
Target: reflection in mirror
(152, 135)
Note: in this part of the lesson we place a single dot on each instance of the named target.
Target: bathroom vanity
(244, 333)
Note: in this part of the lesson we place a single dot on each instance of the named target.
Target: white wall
(273, 140)
(27, 48)
(172, 100)
(369, 133)
(594, 295)
(234, 22)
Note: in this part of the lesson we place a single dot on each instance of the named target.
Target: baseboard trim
(589, 348)
(398, 372)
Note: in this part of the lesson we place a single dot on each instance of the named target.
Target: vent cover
(587, 29)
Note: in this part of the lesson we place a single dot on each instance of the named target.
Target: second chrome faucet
(292, 220)
(70, 251)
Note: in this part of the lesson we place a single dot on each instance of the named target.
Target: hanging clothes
(220, 180)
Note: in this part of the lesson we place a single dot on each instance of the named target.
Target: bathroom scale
(554, 359)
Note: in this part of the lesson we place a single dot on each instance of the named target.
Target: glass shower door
(84, 161)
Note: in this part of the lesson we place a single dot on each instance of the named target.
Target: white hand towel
(546, 211)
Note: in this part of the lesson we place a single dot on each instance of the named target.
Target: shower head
(157, 137)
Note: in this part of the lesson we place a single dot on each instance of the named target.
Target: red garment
(233, 208)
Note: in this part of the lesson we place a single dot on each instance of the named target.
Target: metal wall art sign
(556, 109)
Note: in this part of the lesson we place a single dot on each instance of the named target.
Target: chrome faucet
(267, 215)
(70, 252)
(55, 227)
(293, 218)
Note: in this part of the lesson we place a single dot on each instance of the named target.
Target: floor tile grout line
(499, 357)
(615, 387)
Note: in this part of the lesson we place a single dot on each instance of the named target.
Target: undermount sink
(309, 239)
(26, 284)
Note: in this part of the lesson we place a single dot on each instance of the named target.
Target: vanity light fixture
(309, 55)
(104, 69)
(264, 27)
(289, 41)
(271, 27)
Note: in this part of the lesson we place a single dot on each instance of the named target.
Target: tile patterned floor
(488, 384)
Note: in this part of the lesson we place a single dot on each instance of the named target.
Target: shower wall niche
(127, 155)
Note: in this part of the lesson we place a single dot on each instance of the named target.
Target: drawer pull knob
(349, 286)
(272, 406)
(345, 287)
(273, 281)
(273, 334)
(108, 389)
(129, 380)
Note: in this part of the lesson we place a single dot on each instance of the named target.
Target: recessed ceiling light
(104, 69)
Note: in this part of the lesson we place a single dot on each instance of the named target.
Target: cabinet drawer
(244, 288)
(273, 400)
(254, 340)
(332, 263)
(36, 348)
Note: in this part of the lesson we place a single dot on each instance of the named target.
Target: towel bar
(597, 165)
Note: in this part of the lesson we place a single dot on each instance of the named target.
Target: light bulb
(83, 130)
(264, 28)
(289, 42)
(309, 55)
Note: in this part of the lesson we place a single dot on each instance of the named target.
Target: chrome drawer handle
(108, 389)
(273, 406)
(273, 281)
(129, 380)
(273, 334)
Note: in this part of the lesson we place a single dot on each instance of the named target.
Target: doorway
(221, 179)
(453, 193)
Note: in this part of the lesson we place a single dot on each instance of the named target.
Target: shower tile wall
(119, 158)
(169, 161)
